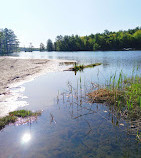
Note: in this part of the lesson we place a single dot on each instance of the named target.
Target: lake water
(70, 126)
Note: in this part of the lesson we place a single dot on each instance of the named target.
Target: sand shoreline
(14, 70)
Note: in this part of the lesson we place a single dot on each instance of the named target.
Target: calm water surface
(70, 126)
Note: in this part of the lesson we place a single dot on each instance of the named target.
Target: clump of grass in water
(24, 113)
(81, 67)
(13, 116)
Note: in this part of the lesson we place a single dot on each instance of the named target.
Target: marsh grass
(123, 92)
(13, 116)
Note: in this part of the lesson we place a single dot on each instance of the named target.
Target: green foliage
(127, 89)
(49, 45)
(105, 41)
(22, 113)
(133, 92)
(137, 38)
(8, 41)
(96, 46)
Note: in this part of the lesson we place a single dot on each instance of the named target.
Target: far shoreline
(80, 51)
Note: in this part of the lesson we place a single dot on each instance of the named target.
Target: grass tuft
(23, 113)
(13, 116)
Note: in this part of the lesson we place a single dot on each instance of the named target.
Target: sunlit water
(70, 126)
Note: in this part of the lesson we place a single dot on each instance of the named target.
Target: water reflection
(26, 138)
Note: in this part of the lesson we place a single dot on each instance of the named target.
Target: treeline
(8, 41)
(121, 40)
(108, 40)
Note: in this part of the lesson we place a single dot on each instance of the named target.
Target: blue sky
(37, 20)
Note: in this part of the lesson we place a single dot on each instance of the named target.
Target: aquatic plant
(82, 67)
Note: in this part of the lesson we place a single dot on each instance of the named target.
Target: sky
(38, 20)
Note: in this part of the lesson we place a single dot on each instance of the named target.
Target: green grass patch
(24, 113)
(13, 116)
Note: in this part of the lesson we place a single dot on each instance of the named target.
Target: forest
(120, 40)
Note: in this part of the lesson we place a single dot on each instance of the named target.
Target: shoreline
(15, 72)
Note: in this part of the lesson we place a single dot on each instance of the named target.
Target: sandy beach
(15, 70)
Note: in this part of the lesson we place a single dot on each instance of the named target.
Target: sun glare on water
(26, 138)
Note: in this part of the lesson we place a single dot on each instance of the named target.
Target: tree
(42, 47)
(49, 45)
(106, 32)
(8, 41)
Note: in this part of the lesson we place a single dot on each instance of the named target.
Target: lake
(70, 126)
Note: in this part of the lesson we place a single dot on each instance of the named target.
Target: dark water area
(70, 126)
